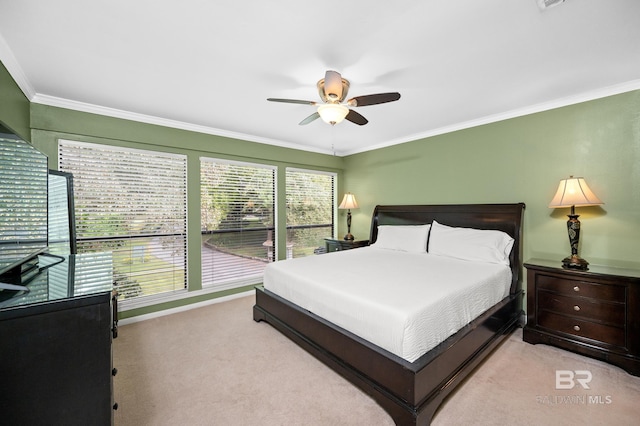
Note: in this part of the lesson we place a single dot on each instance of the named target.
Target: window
(23, 199)
(131, 203)
(237, 218)
(310, 210)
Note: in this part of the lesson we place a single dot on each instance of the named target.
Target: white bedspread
(406, 303)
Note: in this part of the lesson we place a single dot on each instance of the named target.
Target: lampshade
(333, 113)
(348, 202)
(574, 192)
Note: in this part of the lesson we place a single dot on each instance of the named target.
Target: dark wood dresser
(56, 346)
(594, 313)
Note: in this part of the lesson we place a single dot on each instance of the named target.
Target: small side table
(594, 313)
(339, 245)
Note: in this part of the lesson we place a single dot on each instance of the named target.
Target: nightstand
(339, 245)
(594, 313)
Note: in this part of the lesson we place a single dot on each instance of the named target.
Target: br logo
(566, 379)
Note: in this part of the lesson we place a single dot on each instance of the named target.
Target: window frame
(182, 171)
(249, 279)
(334, 205)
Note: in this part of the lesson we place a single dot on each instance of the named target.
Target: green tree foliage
(234, 196)
(309, 198)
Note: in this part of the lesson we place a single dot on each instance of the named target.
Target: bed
(410, 388)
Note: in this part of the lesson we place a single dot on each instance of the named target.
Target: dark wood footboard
(410, 392)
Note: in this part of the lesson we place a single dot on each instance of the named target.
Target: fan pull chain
(333, 139)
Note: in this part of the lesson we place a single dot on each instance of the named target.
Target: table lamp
(574, 192)
(348, 202)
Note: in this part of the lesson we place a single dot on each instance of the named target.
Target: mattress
(406, 303)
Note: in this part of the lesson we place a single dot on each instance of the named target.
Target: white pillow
(480, 245)
(412, 238)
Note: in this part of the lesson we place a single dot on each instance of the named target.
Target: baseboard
(184, 308)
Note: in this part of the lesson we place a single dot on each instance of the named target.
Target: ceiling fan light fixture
(333, 113)
(333, 85)
(333, 88)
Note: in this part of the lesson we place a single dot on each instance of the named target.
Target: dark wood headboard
(502, 217)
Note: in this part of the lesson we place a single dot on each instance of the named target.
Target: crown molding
(545, 106)
(15, 70)
(149, 119)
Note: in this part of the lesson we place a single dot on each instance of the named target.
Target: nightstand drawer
(577, 327)
(589, 309)
(568, 287)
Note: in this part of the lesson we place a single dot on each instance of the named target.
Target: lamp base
(575, 262)
(349, 237)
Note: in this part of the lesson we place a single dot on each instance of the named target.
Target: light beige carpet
(216, 366)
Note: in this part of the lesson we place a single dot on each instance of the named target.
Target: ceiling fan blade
(356, 118)
(291, 101)
(310, 118)
(379, 98)
(333, 85)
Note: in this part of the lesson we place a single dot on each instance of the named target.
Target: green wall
(522, 160)
(14, 105)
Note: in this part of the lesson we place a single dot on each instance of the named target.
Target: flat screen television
(23, 207)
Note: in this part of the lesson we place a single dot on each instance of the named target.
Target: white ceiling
(210, 65)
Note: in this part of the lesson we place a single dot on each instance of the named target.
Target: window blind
(310, 210)
(237, 217)
(23, 198)
(131, 203)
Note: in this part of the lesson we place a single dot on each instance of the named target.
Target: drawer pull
(576, 288)
(576, 327)
(576, 308)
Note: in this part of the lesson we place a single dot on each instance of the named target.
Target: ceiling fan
(333, 89)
